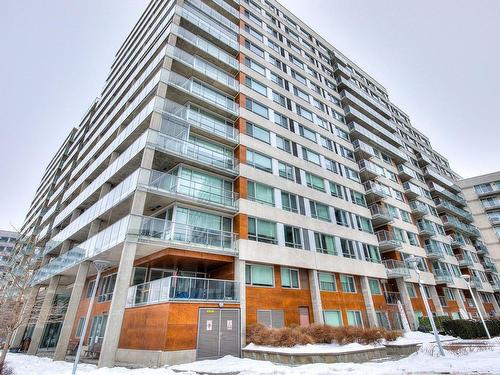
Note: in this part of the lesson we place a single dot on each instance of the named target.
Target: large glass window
(319, 211)
(348, 284)
(315, 182)
(289, 202)
(325, 243)
(261, 230)
(259, 161)
(375, 286)
(293, 237)
(327, 282)
(285, 170)
(332, 318)
(258, 133)
(354, 318)
(260, 193)
(289, 278)
(257, 108)
(259, 275)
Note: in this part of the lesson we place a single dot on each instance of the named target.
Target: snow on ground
(312, 348)
(416, 337)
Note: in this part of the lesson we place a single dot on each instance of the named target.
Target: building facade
(483, 197)
(7, 243)
(236, 169)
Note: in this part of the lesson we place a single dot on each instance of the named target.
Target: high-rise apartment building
(8, 240)
(237, 169)
(483, 197)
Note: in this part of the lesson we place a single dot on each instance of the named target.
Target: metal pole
(478, 310)
(100, 266)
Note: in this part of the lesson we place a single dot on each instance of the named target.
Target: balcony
(184, 189)
(424, 160)
(187, 151)
(442, 277)
(369, 170)
(432, 174)
(451, 222)
(380, 215)
(434, 251)
(374, 192)
(396, 269)
(476, 283)
(358, 109)
(363, 150)
(412, 191)
(444, 206)
(438, 190)
(405, 173)
(151, 230)
(457, 241)
(387, 241)
(443, 301)
(183, 289)
(425, 229)
(392, 298)
(418, 209)
(481, 248)
(489, 265)
(464, 261)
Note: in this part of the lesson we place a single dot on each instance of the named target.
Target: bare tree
(16, 284)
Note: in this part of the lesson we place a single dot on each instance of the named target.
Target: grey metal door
(218, 333)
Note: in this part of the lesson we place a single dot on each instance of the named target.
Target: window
(283, 144)
(301, 111)
(254, 33)
(412, 238)
(257, 108)
(289, 202)
(299, 77)
(253, 47)
(259, 161)
(258, 133)
(311, 156)
(289, 278)
(79, 327)
(301, 94)
(107, 286)
(271, 318)
(259, 275)
(261, 230)
(292, 237)
(348, 285)
(354, 318)
(375, 286)
(315, 182)
(326, 143)
(90, 289)
(327, 282)
(405, 216)
(306, 133)
(325, 243)
(371, 253)
(319, 211)
(358, 198)
(256, 85)
(336, 190)
(277, 79)
(254, 66)
(348, 248)
(285, 171)
(411, 290)
(280, 120)
(279, 99)
(260, 193)
(382, 320)
(341, 217)
(364, 224)
(332, 318)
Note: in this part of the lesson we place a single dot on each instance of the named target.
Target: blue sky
(438, 60)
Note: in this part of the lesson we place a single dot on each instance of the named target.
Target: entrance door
(304, 316)
(218, 333)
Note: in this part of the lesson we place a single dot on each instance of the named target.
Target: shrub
(317, 334)
(471, 329)
(425, 323)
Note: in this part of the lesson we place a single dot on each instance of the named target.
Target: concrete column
(44, 314)
(370, 307)
(239, 276)
(27, 309)
(117, 309)
(317, 306)
(479, 302)
(69, 318)
(435, 299)
(406, 301)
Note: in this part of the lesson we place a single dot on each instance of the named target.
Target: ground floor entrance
(218, 333)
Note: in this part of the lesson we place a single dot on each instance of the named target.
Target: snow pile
(416, 337)
(312, 348)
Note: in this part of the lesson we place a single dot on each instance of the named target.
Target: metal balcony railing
(392, 298)
(396, 268)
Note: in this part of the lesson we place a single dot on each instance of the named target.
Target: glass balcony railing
(359, 91)
(147, 229)
(464, 261)
(434, 251)
(387, 240)
(425, 228)
(380, 214)
(406, 172)
(447, 206)
(361, 132)
(457, 225)
(193, 151)
(203, 67)
(213, 195)
(213, 14)
(178, 288)
(370, 169)
(480, 247)
(102, 241)
(396, 268)
(211, 28)
(442, 277)
(206, 46)
(457, 240)
(448, 194)
(475, 282)
(419, 208)
(412, 189)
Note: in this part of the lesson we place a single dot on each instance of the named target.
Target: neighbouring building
(7, 243)
(483, 197)
(236, 169)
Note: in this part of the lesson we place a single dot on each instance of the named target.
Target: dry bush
(392, 335)
(320, 333)
(259, 334)
(288, 337)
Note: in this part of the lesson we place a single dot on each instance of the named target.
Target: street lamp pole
(467, 281)
(413, 261)
(100, 266)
